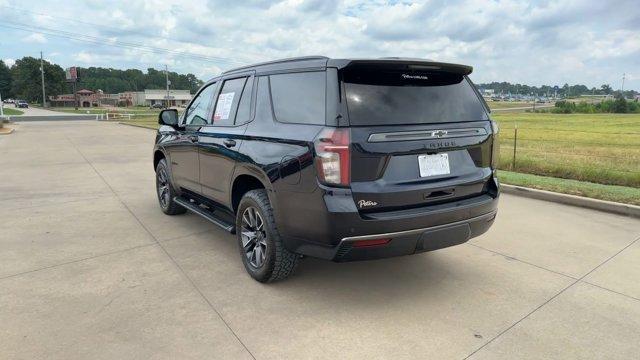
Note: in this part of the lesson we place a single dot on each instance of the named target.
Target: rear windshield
(393, 97)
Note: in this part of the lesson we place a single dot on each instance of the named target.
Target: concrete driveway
(91, 269)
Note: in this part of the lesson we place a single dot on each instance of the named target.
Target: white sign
(223, 108)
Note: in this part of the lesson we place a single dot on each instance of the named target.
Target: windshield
(393, 97)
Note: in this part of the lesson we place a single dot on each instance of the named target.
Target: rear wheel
(263, 254)
(165, 191)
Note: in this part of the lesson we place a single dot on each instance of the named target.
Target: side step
(209, 215)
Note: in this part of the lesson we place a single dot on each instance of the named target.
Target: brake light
(495, 148)
(333, 156)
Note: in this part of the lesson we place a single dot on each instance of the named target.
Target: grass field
(100, 110)
(599, 148)
(11, 111)
(622, 194)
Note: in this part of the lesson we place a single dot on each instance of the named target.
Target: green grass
(150, 122)
(99, 110)
(10, 111)
(80, 110)
(598, 148)
(622, 194)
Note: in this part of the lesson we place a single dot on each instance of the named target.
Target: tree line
(565, 91)
(23, 80)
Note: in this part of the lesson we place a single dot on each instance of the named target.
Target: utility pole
(166, 73)
(622, 90)
(44, 99)
(1, 110)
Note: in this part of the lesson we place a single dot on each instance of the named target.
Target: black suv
(339, 159)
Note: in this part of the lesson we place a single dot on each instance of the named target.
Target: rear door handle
(229, 143)
(193, 138)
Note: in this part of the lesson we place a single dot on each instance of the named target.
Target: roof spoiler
(403, 64)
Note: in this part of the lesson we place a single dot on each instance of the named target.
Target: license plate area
(434, 165)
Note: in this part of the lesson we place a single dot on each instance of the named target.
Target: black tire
(278, 262)
(165, 191)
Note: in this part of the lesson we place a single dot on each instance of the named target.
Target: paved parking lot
(91, 269)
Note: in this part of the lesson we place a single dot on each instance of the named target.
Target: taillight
(371, 243)
(333, 156)
(495, 150)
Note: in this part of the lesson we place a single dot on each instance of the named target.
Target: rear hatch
(419, 135)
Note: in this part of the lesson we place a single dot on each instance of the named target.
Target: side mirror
(168, 117)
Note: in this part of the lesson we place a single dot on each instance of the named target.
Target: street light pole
(42, 77)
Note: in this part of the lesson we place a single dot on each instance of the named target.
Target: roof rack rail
(301, 58)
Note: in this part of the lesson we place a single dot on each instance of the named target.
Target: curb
(579, 201)
(11, 130)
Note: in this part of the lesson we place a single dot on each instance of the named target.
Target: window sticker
(223, 109)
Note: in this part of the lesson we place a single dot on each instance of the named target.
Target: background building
(176, 97)
(88, 98)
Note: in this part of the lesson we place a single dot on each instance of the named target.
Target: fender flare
(253, 171)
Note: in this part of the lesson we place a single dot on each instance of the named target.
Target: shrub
(620, 106)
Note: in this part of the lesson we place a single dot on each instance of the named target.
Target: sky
(527, 42)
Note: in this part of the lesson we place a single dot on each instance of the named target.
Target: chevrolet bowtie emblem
(439, 133)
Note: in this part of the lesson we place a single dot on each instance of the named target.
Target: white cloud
(86, 57)
(35, 38)
(552, 42)
(9, 62)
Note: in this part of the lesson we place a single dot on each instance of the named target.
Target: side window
(244, 109)
(198, 111)
(299, 97)
(228, 100)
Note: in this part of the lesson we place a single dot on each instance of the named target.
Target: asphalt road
(91, 269)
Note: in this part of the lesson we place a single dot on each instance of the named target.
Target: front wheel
(165, 191)
(263, 254)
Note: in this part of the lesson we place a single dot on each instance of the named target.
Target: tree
(5, 80)
(606, 89)
(26, 79)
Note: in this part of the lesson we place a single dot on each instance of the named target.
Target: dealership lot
(91, 268)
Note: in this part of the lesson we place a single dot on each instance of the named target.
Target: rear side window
(393, 97)
(244, 108)
(228, 100)
(299, 97)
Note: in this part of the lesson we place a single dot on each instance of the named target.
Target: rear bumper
(415, 241)
(331, 233)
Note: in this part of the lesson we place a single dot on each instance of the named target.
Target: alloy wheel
(254, 237)
(163, 187)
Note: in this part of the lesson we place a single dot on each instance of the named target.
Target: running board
(209, 215)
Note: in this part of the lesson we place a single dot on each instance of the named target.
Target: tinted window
(378, 97)
(198, 111)
(228, 99)
(244, 109)
(299, 97)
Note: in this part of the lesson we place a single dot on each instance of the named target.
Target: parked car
(156, 106)
(21, 104)
(339, 159)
